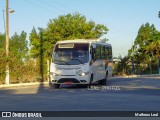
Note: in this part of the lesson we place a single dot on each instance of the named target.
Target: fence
(120, 69)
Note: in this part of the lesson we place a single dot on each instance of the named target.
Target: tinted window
(75, 53)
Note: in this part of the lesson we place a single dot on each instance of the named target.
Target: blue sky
(122, 17)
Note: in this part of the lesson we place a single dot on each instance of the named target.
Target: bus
(80, 61)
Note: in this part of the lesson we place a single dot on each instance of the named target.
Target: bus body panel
(80, 73)
(70, 72)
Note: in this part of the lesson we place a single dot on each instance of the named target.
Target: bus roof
(96, 41)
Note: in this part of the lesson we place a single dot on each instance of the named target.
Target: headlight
(80, 73)
(54, 74)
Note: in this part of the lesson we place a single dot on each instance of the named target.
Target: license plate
(69, 82)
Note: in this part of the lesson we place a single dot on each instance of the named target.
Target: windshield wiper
(78, 60)
(62, 61)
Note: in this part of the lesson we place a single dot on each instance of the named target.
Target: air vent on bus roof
(66, 45)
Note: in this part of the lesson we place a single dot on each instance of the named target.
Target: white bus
(80, 61)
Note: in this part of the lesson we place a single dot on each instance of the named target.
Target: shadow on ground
(125, 84)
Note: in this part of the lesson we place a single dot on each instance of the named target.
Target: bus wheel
(90, 83)
(106, 78)
(104, 81)
(56, 86)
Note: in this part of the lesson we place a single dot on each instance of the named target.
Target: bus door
(97, 63)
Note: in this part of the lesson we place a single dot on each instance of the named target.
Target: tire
(83, 85)
(51, 85)
(56, 86)
(90, 82)
(104, 81)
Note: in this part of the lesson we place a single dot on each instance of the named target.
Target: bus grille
(73, 80)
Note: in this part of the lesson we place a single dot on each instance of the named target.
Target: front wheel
(55, 86)
(90, 82)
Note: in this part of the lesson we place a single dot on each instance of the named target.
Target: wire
(51, 5)
(32, 3)
(60, 4)
(114, 29)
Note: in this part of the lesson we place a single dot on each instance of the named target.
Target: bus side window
(103, 55)
(107, 52)
(110, 53)
(93, 53)
(98, 52)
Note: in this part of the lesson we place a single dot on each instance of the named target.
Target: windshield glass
(71, 54)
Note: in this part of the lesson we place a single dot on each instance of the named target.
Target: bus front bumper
(70, 79)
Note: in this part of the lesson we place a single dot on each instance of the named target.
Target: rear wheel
(104, 81)
(83, 85)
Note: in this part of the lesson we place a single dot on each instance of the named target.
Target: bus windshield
(71, 53)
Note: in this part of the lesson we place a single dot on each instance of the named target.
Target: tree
(2, 42)
(2, 58)
(35, 43)
(70, 26)
(17, 59)
(154, 47)
(122, 67)
(146, 43)
(146, 46)
(19, 46)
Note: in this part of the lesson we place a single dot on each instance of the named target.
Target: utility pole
(7, 42)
